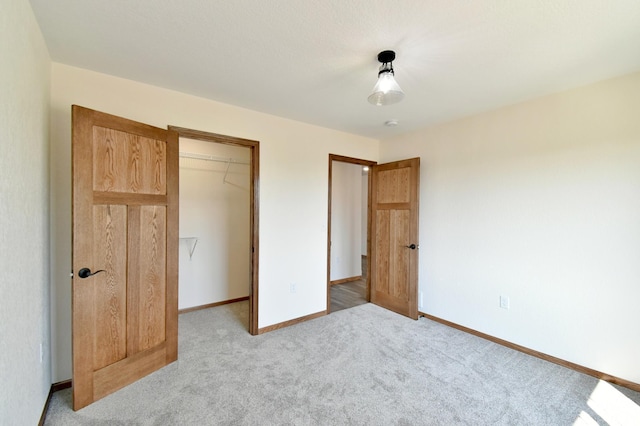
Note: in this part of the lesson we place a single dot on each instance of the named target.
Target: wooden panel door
(394, 236)
(125, 231)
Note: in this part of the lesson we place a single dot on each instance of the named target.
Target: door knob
(412, 246)
(86, 272)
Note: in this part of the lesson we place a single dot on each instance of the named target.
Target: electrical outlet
(41, 353)
(504, 302)
(292, 288)
(420, 299)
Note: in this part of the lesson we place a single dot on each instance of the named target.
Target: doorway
(214, 261)
(219, 221)
(348, 241)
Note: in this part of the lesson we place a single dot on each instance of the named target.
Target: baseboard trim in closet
(212, 305)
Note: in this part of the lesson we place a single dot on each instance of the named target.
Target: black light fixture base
(386, 56)
(386, 91)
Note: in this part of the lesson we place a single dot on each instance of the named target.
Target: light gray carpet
(361, 366)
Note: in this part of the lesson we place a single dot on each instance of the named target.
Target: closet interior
(215, 245)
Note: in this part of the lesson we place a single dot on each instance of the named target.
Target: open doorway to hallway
(348, 233)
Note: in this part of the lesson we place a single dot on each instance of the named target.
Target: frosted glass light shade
(386, 91)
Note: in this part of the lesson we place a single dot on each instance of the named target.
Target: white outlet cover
(504, 302)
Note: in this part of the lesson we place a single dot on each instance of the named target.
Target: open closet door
(394, 236)
(125, 252)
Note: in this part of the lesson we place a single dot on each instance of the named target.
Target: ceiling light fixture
(386, 91)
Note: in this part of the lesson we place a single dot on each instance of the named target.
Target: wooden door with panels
(394, 236)
(125, 252)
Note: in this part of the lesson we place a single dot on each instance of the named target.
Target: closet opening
(218, 219)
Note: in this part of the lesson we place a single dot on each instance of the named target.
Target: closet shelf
(191, 247)
(205, 157)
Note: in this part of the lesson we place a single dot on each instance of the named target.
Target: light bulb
(386, 91)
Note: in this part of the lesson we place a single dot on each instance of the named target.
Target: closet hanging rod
(212, 158)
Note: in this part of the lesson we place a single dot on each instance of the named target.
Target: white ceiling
(315, 61)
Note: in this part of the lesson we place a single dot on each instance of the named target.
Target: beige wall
(293, 187)
(24, 216)
(539, 202)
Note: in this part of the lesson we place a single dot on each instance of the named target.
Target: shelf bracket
(192, 243)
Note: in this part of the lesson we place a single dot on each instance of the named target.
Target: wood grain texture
(110, 287)
(394, 206)
(128, 199)
(152, 276)
(213, 137)
(172, 255)
(133, 279)
(115, 376)
(384, 267)
(82, 294)
(125, 221)
(393, 186)
(351, 160)
(125, 162)
(255, 237)
(399, 280)
(370, 239)
(329, 204)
